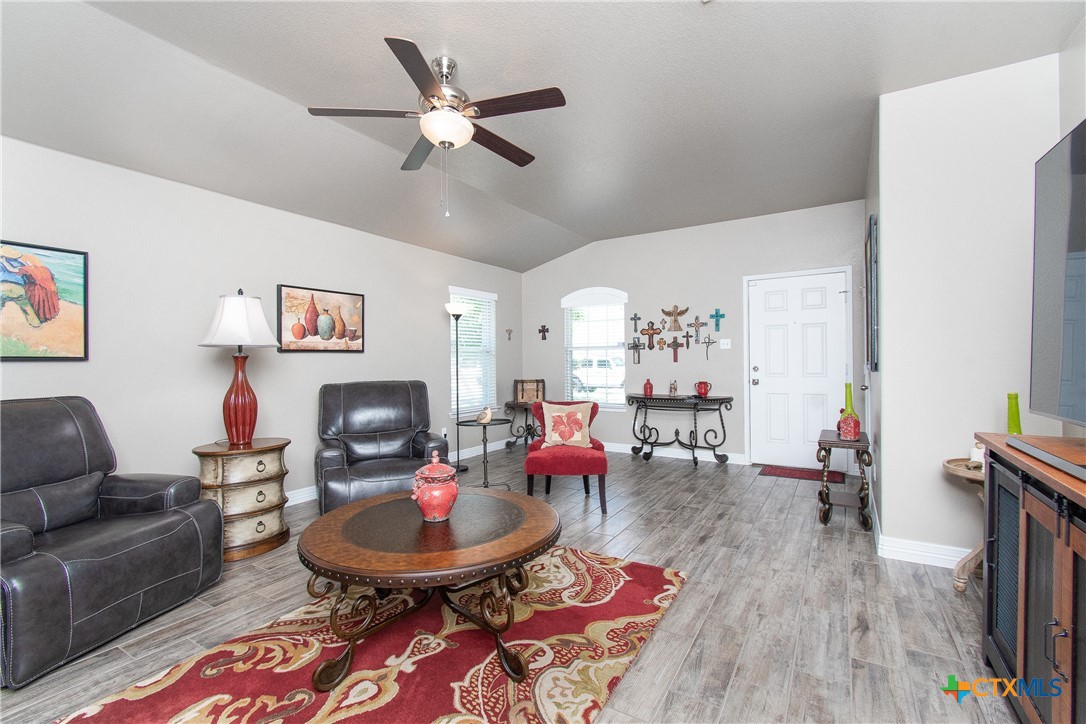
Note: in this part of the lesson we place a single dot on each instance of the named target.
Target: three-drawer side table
(247, 483)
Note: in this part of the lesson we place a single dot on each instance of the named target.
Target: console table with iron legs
(527, 431)
(712, 438)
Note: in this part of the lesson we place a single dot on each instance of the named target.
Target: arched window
(595, 346)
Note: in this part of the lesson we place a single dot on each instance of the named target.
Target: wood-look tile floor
(782, 619)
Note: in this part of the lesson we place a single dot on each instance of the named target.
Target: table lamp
(239, 321)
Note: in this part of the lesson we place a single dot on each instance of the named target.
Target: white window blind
(595, 352)
(478, 387)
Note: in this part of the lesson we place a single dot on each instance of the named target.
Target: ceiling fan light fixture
(446, 125)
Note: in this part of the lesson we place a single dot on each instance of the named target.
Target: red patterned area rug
(580, 623)
(779, 471)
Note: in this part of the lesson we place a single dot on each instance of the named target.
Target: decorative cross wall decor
(675, 346)
(708, 342)
(509, 334)
(716, 316)
(543, 329)
(635, 319)
(651, 331)
(660, 345)
(697, 324)
(636, 346)
(674, 314)
(687, 336)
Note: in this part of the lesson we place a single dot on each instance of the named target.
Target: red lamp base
(239, 407)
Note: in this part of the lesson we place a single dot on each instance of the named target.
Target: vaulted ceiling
(678, 113)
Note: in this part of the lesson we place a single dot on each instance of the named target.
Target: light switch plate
(725, 344)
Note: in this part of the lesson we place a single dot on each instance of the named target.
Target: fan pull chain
(445, 177)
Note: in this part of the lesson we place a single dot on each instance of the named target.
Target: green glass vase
(849, 424)
(1014, 419)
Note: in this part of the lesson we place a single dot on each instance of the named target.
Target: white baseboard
(492, 446)
(301, 496)
(704, 456)
(901, 549)
(932, 554)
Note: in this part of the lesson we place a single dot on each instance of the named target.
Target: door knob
(754, 381)
(863, 387)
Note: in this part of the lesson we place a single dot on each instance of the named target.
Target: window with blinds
(595, 352)
(477, 387)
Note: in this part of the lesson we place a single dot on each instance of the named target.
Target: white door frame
(746, 337)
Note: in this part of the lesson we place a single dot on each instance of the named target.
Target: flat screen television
(1057, 386)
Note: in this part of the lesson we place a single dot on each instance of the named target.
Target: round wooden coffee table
(383, 543)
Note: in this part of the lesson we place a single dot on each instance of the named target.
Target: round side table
(971, 472)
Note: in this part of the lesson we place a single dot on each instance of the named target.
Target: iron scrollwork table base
(498, 595)
(383, 544)
(649, 437)
(828, 440)
(526, 431)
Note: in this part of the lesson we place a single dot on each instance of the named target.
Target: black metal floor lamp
(457, 310)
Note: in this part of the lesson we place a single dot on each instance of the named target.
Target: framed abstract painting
(320, 320)
(43, 303)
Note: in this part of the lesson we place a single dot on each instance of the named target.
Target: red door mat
(779, 471)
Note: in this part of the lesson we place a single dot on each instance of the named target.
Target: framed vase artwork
(43, 303)
(871, 258)
(320, 320)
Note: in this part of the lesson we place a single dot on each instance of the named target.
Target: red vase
(311, 315)
(435, 490)
(648, 388)
(298, 329)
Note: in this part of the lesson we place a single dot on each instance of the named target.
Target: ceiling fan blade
(517, 103)
(411, 59)
(500, 146)
(418, 155)
(363, 113)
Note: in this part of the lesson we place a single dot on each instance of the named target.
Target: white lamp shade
(239, 321)
(456, 309)
(446, 126)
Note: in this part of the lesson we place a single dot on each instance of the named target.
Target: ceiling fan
(446, 111)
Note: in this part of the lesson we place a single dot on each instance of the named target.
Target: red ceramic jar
(435, 490)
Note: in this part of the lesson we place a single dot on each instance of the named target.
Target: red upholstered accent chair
(566, 459)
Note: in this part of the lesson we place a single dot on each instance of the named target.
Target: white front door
(800, 349)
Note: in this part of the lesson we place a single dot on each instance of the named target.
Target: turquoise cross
(716, 316)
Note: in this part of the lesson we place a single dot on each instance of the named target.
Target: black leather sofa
(374, 436)
(85, 553)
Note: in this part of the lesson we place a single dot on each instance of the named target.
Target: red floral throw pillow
(567, 424)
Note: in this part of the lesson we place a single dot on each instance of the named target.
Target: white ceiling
(678, 113)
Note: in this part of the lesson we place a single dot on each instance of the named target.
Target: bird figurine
(485, 416)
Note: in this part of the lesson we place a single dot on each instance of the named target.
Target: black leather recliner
(374, 437)
(86, 554)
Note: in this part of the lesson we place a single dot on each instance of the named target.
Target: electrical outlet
(444, 432)
(725, 344)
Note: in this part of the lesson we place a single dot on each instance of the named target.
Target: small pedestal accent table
(384, 543)
(485, 425)
(972, 472)
(649, 436)
(247, 483)
(528, 431)
(828, 440)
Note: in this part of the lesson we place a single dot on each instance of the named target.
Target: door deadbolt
(755, 368)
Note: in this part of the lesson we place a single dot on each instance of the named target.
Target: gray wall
(956, 240)
(160, 255)
(701, 267)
